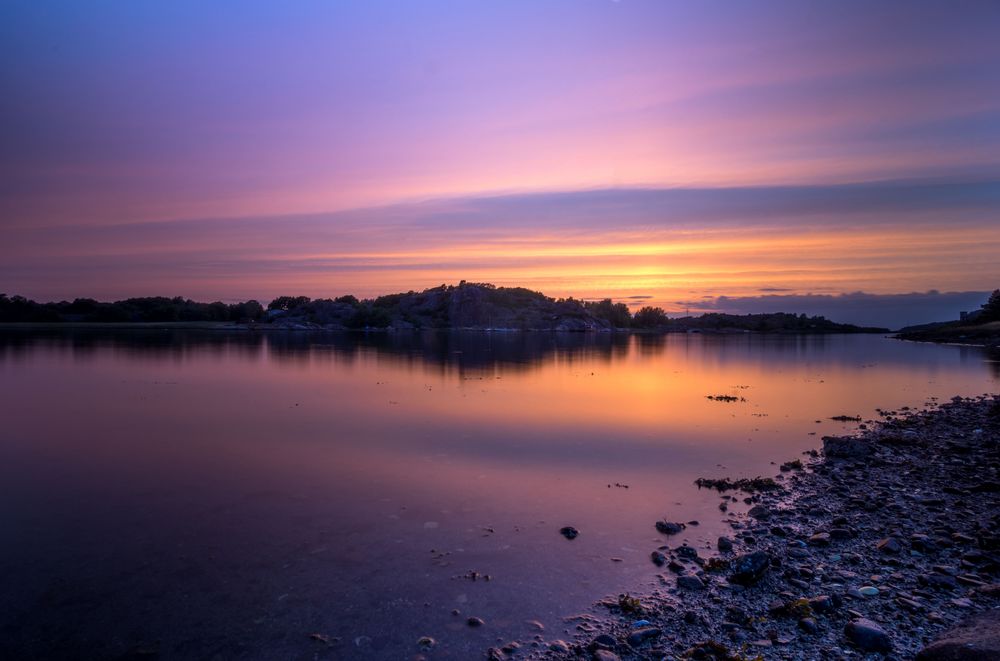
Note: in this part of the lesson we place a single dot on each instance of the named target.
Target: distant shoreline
(979, 335)
(272, 328)
(466, 306)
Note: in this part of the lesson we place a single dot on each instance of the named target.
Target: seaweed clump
(750, 485)
(629, 604)
(793, 465)
(725, 398)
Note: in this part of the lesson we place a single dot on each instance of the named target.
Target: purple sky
(681, 151)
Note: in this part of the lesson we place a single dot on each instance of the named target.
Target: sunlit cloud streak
(664, 244)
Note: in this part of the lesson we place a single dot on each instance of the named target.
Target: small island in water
(468, 306)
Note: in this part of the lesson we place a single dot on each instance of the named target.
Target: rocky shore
(884, 546)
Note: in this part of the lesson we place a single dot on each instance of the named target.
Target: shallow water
(212, 495)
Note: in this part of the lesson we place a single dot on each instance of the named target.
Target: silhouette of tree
(991, 308)
(649, 317)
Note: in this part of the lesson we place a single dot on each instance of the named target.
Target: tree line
(144, 309)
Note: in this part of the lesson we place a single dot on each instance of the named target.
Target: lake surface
(213, 495)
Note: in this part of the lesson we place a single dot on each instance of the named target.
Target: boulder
(690, 583)
(976, 637)
(750, 568)
(868, 636)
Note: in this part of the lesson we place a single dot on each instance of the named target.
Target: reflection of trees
(993, 360)
(478, 352)
(447, 350)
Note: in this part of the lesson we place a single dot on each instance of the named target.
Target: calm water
(225, 496)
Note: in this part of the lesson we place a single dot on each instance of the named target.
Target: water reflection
(455, 349)
(479, 351)
(229, 494)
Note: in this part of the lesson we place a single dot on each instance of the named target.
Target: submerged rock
(669, 527)
(687, 552)
(569, 532)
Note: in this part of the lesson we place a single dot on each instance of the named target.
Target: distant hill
(464, 306)
(981, 327)
(955, 332)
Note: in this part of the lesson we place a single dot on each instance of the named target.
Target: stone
(475, 622)
(604, 655)
(868, 636)
(750, 568)
(976, 637)
(569, 532)
(822, 604)
(868, 590)
(658, 558)
(639, 636)
(690, 583)
(725, 544)
(687, 552)
(846, 447)
(759, 512)
(669, 527)
(889, 545)
(820, 539)
(603, 642)
(808, 625)
(493, 654)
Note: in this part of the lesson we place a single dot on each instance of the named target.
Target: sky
(839, 158)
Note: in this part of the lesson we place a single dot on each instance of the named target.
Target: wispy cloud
(642, 245)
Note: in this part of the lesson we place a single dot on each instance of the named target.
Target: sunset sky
(839, 159)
